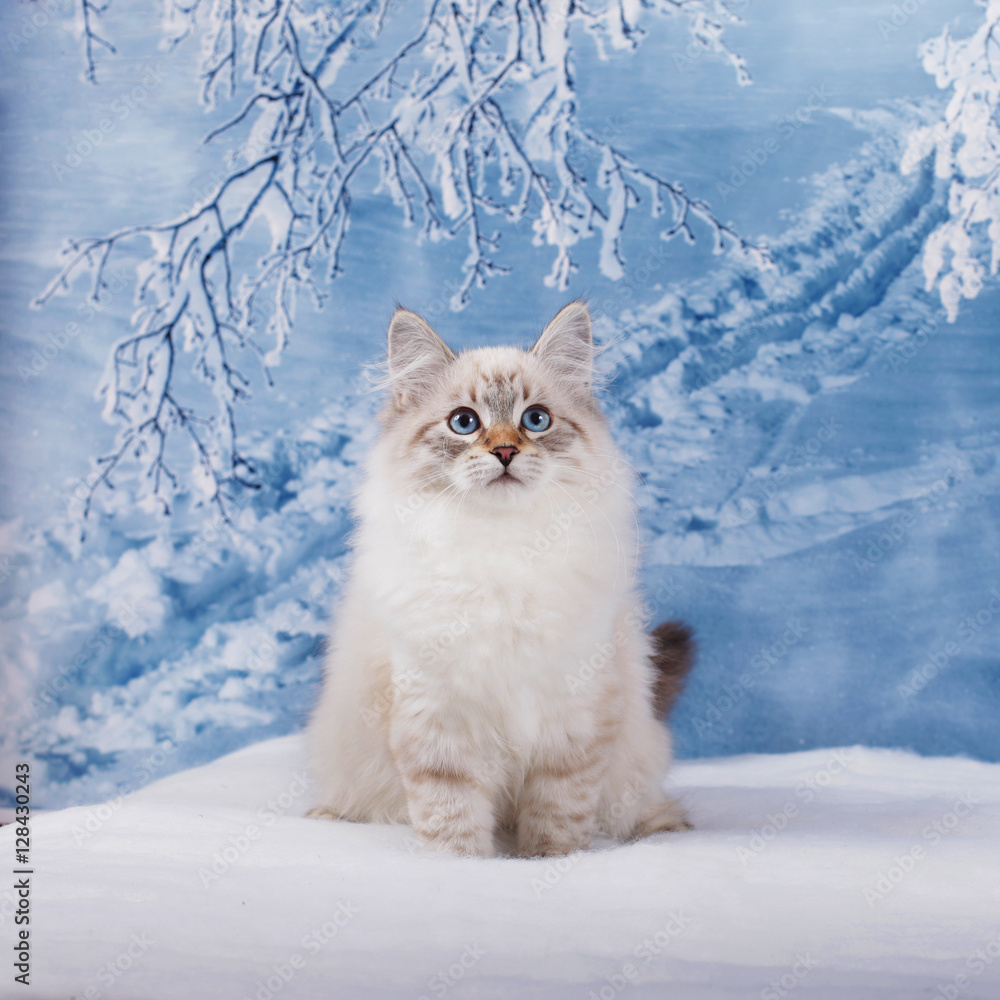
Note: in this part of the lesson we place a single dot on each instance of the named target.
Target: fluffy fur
(490, 672)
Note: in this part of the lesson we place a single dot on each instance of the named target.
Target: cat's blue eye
(464, 421)
(535, 418)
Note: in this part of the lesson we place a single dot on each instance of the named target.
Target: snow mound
(835, 873)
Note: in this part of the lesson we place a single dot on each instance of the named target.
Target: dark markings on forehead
(501, 393)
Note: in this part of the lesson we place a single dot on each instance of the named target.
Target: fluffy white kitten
(489, 671)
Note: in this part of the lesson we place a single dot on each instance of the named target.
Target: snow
(833, 873)
(964, 143)
(135, 576)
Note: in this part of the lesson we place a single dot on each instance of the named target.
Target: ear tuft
(567, 346)
(417, 355)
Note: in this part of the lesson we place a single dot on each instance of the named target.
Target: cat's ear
(417, 355)
(567, 345)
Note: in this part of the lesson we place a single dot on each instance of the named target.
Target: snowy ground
(851, 873)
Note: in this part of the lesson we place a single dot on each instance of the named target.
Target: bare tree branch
(90, 11)
(474, 118)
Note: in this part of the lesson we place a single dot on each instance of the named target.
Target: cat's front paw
(324, 812)
(552, 845)
(475, 845)
(665, 816)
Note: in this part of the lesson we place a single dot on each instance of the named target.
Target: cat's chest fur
(493, 614)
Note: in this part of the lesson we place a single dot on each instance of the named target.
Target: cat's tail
(672, 658)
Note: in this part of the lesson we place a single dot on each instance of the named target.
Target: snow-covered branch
(965, 146)
(183, 294)
(470, 125)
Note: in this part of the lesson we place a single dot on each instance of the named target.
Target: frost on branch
(470, 125)
(965, 146)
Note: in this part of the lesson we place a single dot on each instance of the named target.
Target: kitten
(489, 670)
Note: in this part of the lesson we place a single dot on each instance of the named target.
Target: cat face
(496, 424)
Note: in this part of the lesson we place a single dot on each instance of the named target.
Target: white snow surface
(834, 873)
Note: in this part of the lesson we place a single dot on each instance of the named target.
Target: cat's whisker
(595, 476)
(593, 530)
(614, 532)
(566, 535)
(433, 508)
(632, 509)
(635, 520)
(449, 496)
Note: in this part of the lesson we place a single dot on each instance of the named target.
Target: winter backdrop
(787, 222)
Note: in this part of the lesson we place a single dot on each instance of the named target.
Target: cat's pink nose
(505, 454)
